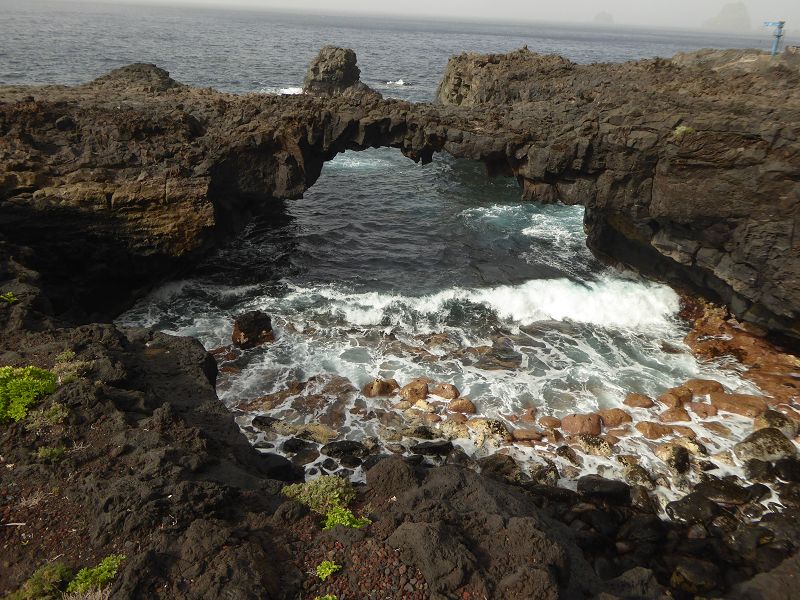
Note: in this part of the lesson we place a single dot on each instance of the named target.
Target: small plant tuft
(50, 455)
(46, 417)
(67, 369)
(682, 130)
(344, 517)
(8, 298)
(322, 494)
(327, 597)
(327, 568)
(46, 583)
(96, 577)
(65, 356)
(20, 388)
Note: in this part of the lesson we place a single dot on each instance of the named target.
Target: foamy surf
(281, 91)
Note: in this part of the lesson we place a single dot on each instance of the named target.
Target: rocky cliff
(688, 173)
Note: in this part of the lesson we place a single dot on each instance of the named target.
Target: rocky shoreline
(134, 453)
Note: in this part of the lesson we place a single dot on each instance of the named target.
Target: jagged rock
(500, 466)
(692, 508)
(252, 329)
(773, 418)
(332, 71)
(594, 487)
(765, 444)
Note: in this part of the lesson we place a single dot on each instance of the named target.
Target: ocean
(387, 268)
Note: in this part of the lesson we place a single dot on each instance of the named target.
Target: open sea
(386, 268)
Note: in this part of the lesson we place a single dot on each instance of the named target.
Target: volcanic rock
(740, 404)
(252, 329)
(772, 418)
(574, 424)
(765, 444)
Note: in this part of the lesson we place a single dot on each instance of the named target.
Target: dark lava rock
(723, 491)
(693, 508)
(569, 454)
(556, 495)
(420, 432)
(252, 329)
(789, 494)
(391, 477)
(765, 444)
(460, 458)
(295, 445)
(546, 474)
(263, 422)
(414, 459)
(788, 469)
(344, 448)
(350, 461)
(641, 500)
(500, 466)
(759, 470)
(757, 492)
(695, 576)
(305, 456)
(373, 459)
(329, 464)
(677, 458)
(333, 71)
(435, 448)
(594, 487)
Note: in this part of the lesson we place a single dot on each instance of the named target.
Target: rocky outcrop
(687, 173)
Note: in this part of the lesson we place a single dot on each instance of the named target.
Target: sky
(665, 13)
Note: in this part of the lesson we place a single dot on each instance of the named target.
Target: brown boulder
(674, 415)
(444, 390)
(703, 387)
(675, 397)
(613, 417)
(579, 424)
(527, 435)
(380, 387)
(653, 431)
(685, 431)
(549, 422)
(415, 390)
(702, 409)
(741, 404)
(462, 405)
(638, 401)
(252, 329)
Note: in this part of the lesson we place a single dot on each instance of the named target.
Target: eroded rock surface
(687, 172)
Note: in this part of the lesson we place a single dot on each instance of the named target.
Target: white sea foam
(610, 302)
(285, 91)
(398, 83)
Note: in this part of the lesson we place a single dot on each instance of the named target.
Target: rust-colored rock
(703, 410)
(685, 431)
(462, 405)
(613, 417)
(527, 435)
(653, 431)
(380, 387)
(638, 401)
(741, 404)
(444, 390)
(549, 422)
(703, 387)
(674, 415)
(675, 397)
(718, 429)
(581, 424)
(416, 389)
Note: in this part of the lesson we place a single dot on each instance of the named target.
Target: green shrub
(327, 568)
(8, 298)
(50, 456)
(682, 130)
(345, 517)
(46, 583)
(46, 417)
(96, 577)
(322, 494)
(20, 388)
(67, 369)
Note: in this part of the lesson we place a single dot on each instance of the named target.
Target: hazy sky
(665, 13)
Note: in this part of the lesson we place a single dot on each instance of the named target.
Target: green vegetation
(67, 369)
(8, 298)
(46, 417)
(20, 388)
(682, 130)
(326, 597)
(345, 517)
(96, 577)
(322, 494)
(327, 568)
(46, 583)
(50, 455)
